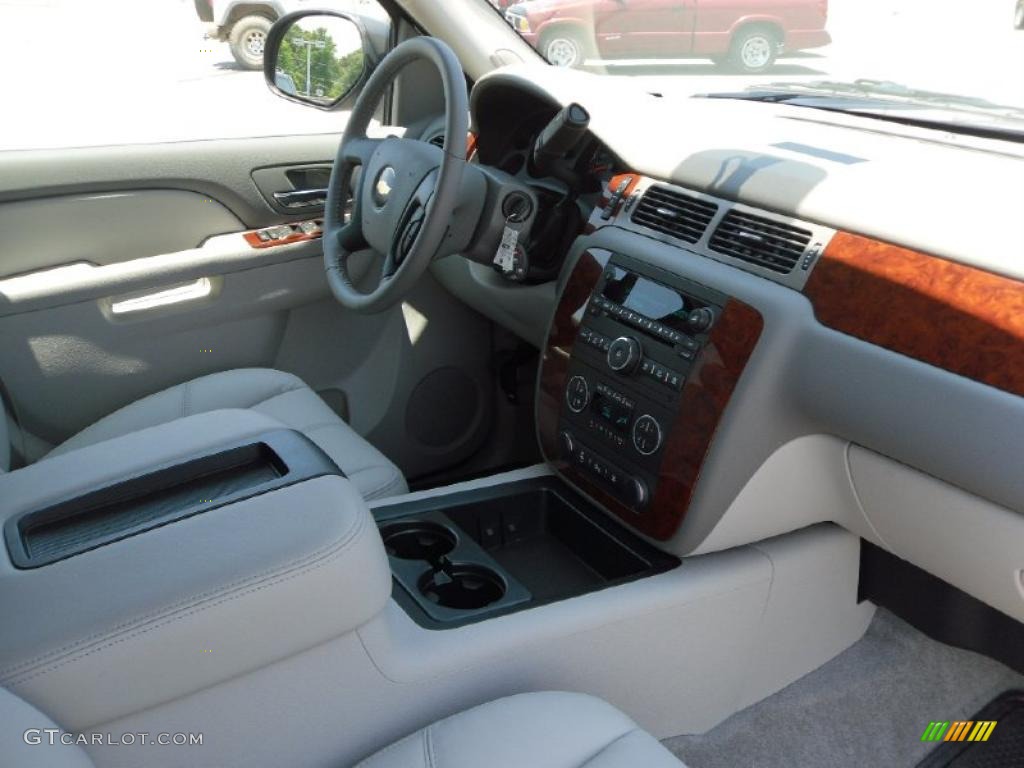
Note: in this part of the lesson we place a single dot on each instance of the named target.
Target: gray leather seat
(25, 743)
(531, 730)
(276, 394)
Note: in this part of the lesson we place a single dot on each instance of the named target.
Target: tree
(330, 76)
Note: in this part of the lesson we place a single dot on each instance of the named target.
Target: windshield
(910, 53)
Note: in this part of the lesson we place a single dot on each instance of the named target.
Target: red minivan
(746, 35)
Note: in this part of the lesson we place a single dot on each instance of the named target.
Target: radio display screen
(646, 297)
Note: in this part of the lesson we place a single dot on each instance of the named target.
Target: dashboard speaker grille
(761, 241)
(672, 213)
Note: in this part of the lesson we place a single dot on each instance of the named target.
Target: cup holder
(417, 540)
(463, 587)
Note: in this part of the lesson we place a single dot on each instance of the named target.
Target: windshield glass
(890, 49)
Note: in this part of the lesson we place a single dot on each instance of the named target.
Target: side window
(131, 71)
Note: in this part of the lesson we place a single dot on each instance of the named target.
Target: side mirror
(317, 58)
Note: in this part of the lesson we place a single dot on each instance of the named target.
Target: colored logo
(959, 730)
(385, 183)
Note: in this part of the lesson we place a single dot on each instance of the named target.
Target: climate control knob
(646, 435)
(624, 355)
(577, 394)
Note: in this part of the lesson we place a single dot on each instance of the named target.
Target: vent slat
(794, 253)
(674, 214)
(756, 240)
(798, 245)
(747, 221)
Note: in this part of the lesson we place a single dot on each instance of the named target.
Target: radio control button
(646, 435)
(635, 492)
(700, 320)
(624, 354)
(577, 394)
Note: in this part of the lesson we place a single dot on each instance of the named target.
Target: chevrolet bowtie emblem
(383, 186)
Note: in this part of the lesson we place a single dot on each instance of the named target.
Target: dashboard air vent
(761, 241)
(437, 140)
(673, 213)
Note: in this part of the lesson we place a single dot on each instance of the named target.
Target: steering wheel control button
(624, 355)
(577, 394)
(646, 435)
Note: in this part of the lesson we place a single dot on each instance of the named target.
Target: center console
(459, 558)
(638, 369)
(159, 563)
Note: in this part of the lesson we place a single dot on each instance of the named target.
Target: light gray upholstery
(24, 742)
(531, 730)
(276, 394)
(5, 440)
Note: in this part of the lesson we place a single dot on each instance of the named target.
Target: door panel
(220, 170)
(106, 228)
(140, 220)
(67, 366)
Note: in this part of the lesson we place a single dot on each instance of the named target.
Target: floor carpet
(867, 707)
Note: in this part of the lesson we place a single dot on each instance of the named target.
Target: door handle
(163, 297)
(302, 198)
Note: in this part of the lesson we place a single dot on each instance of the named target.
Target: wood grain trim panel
(705, 397)
(253, 239)
(596, 219)
(953, 316)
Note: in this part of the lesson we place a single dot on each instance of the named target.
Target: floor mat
(867, 707)
(1002, 721)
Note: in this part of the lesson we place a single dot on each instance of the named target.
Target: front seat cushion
(276, 394)
(531, 730)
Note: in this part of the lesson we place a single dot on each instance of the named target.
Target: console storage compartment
(465, 556)
(163, 495)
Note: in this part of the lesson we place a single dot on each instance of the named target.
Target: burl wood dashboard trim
(705, 396)
(253, 239)
(953, 316)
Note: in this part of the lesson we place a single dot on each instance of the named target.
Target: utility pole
(309, 45)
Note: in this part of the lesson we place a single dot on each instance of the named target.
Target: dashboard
(863, 362)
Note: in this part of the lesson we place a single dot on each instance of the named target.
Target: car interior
(528, 418)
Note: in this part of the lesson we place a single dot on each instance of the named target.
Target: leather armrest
(156, 616)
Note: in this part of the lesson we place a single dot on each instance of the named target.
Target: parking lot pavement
(115, 71)
(968, 49)
(123, 71)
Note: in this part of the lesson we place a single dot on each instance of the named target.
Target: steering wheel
(407, 189)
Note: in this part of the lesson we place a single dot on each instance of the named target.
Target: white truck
(244, 24)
